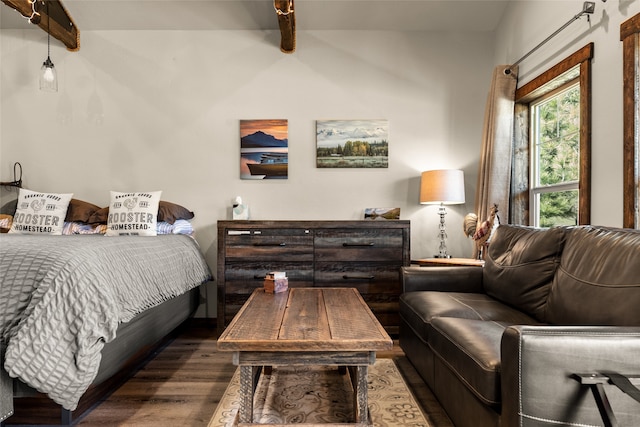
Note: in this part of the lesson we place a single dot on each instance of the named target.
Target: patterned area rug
(321, 395)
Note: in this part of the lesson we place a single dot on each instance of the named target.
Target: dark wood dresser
(366, 255)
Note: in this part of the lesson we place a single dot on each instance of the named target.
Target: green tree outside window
(557, 162)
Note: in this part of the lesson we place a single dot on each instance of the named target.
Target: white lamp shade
(444, 186)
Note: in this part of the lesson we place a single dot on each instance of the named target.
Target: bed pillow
(100, 216)
(40, 213)
(167, 212)
(71, 228)
(180, 226)
(170, 212)
(80, 211)
(133, 214)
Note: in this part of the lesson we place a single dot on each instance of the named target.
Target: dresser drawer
(377, 276)
(358, 244)
(268, 244)
(254, 272)
(345, 238)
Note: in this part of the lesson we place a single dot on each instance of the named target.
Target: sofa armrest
(450, 279)
(537, 367)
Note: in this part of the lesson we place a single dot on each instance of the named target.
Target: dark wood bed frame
(135, 343)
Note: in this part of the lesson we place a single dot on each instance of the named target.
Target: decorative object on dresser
(378, 214)
(442, 187)
(240, 210)
(366, 255)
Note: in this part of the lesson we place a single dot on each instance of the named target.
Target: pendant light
(48, 77)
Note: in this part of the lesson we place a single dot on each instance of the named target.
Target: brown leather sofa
(499, 345)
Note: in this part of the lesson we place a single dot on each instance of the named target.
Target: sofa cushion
(598, 281)
(419, 308)
(520, 265)
(471, 349)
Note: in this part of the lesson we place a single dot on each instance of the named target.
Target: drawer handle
(358, 244)
(347, 277)
(270, 244)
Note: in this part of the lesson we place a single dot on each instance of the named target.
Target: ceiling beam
(287, 23)
(58, 23)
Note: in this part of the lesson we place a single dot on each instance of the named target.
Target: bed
(76, 309)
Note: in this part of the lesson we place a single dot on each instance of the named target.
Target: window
(630, 36)
(551, 182)
(555, 157)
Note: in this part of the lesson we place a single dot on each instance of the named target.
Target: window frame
(630, 37)
(576, 65)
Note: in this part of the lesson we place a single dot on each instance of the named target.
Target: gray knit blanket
(62, 298)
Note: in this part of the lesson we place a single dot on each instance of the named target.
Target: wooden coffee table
(304, 326)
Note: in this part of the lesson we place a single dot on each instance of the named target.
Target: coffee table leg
(247, 388)
(361, 410)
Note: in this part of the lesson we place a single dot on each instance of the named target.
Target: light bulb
(48, 78)
(48, 75)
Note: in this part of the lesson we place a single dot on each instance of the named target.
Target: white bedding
(62, 298)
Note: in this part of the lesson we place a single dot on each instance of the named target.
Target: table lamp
(443, 187)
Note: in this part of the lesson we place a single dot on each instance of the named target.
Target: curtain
(494, 174)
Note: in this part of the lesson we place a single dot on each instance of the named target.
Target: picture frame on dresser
(381, 214)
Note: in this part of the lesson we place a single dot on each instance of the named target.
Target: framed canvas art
(352, 143)
(264, 149)
(378, 214)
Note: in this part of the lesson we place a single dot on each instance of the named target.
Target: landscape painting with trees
(352, 143)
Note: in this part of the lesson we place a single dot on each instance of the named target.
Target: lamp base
(442, 248)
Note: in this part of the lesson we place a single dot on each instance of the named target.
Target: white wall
(160, 110)
(527, 23)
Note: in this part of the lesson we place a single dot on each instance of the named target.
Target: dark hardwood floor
(183, 383)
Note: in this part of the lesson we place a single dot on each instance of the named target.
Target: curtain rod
(588, 8)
